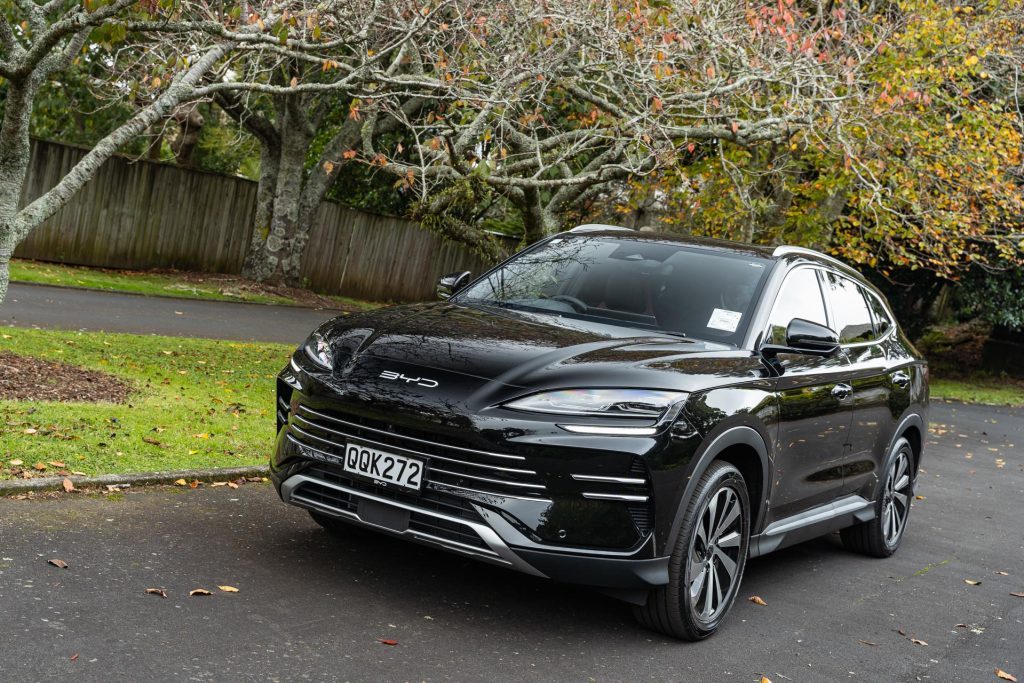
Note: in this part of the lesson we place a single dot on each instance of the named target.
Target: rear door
(813, 406)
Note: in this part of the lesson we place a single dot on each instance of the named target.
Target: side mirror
(452, 283)
(803, 336)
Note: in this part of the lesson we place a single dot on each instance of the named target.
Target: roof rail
(597, 227)
(786, 250)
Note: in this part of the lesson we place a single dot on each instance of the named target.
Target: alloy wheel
(896, 501)
(714, 555)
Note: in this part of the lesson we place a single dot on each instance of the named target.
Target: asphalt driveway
(83, 309)
(312, 607)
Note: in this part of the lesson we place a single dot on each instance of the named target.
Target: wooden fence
(139, 214)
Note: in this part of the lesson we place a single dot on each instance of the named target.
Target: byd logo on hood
(418, 381)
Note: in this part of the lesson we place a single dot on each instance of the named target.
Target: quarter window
(883, 323)
(800, 297)
(853, 320)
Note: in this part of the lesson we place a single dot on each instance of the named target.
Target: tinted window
(800, 297)
(853, 321)
(883, 323)
(640, 283)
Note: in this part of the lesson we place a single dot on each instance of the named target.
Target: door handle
(901, 379)
(841, 391)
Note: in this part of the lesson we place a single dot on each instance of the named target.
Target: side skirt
(812, 523)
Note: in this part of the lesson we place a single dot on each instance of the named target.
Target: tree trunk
(15, 152)
(275, 256)
(190, 124)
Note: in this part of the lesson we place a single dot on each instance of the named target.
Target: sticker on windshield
(724, 320)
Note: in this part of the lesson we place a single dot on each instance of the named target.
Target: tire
(881, 536)
(331, 525)
(721, 496)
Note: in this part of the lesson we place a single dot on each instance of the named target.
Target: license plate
(383, 467)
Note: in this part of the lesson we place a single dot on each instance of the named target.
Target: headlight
(647, 403)
(318, 350)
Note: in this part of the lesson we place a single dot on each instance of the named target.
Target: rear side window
(800, 297)
(883, 323)
(853, 320)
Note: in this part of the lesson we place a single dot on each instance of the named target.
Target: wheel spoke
(729, 515)
(887, 520)
(728, 564)
(902, 498)
(901, 470)
(901, 483)
(711, 516)
(730, 540)
(712, 580)
(718, 588)
(698, 583)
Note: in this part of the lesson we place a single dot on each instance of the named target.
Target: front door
(814, 399)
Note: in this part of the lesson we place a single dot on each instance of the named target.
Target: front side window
(654, 285)
(800, 297)
(853, 320)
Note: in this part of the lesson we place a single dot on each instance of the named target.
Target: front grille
(326, 496)
(632, 489)
(451, 467)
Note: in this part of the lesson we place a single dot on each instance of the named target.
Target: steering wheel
(577, 305)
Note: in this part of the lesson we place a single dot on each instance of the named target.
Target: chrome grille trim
(443, 486)
(433, 444)
(631, 481)
(469, 463)
(539, 487)
(616, 496)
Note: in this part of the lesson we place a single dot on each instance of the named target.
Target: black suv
(634, 411)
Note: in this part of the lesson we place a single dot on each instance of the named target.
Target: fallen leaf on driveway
(1018, 595)
(1003, 573)
(199, 591)
(972, 582)
(193, 484)
(68, 486)
(228, 589)
(58, 563)
(868, 642)
(181, 482)
(232, 485)
(156, 591)
(74, 657)
(756, 599)
(387, 641)
(915, 641)
(765, 679)
(218, 483)
(1005, 676)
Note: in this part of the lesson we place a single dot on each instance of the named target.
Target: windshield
(663, 287)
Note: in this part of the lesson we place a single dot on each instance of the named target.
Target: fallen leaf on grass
(972, 582)
(915, 641)
(68, 486)
(387, 641)
(199, 591)
(204, 435)
(150, 440)
(58, 563)
(757, 600)
(228, 589)
(180, 482)
(1005, 676)
(57, 464)
(39, 466)
(156, 591)
(30, 430)
(15, 463)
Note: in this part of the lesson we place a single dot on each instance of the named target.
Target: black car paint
(800, 445)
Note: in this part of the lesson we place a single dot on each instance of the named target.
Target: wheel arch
(743, 447)
(912, 427)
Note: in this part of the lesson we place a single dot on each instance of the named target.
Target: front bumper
(514, 492)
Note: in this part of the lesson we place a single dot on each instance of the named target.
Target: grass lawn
(990, 390)
(196, 403)
(178, 284)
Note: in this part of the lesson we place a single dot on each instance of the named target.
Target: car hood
(474, 346)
